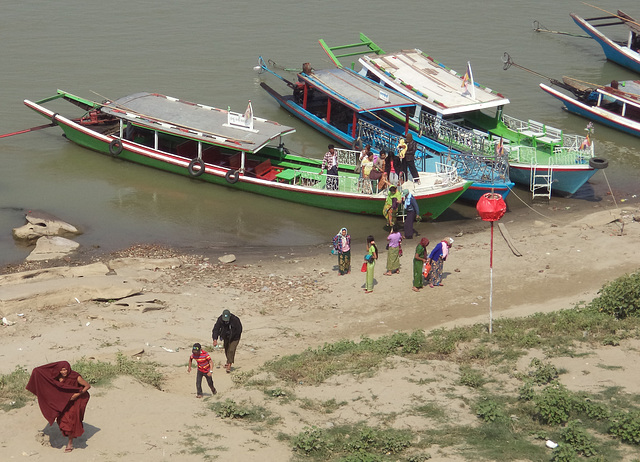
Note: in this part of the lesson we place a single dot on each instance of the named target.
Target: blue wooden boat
(350, 109)
(625, 53)
(456, 110)
(616, 105)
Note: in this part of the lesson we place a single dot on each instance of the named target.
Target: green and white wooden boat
(457, 111)
(227, 148)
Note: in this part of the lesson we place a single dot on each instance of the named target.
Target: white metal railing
(347, 156)
(351, 184)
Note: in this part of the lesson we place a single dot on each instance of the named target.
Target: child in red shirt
(203, 360)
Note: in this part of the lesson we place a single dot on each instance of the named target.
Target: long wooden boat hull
(621, 55)
(432, 203)
(595, 113)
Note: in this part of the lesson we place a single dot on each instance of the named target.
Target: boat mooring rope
(540, 28)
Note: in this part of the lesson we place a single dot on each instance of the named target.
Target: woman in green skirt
(372, 253)
(419, 260)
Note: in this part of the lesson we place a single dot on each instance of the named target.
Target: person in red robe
(62, 396)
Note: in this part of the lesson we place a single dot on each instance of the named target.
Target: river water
(205, 51)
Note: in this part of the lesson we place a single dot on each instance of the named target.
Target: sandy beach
(154, 303)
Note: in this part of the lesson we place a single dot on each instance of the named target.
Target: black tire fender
(598, 163)
(192, 170)
(53, 119)
(115, 147)
(232, 176)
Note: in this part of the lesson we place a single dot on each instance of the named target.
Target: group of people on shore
(63, 396)
(427, 266)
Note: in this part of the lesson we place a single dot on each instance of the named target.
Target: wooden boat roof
(355, 91)
(429, 82)
(194, 121)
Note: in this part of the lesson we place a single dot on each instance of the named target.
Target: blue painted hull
(564, 180)
(596, 114)
(614, 52)
(473, 193)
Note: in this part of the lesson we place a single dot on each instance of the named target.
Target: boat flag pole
(27, 130)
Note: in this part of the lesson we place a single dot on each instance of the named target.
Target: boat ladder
(540, 180)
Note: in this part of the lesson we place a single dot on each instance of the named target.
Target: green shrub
(471, 377)
(554, 404)
(564, 453)
(626, 426)
(489, 411)
(575, 435)
(312, 440)
(543, 373)
(621, 297)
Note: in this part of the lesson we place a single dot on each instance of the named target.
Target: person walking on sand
(228, 328)
(419, 259)
(342, 245)
(412, 211)
(436, 258)
(371, 257)
(62, 396)
(393, 251)
(205, 368)
(391, 205)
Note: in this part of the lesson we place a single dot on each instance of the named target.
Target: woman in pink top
(342, 245)
(393, 255)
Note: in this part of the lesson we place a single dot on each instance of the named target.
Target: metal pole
(491, 285)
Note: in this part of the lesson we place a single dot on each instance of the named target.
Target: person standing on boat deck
(342, 244)
(391, 167)
(372, 254)
(229, 329)
(410, 158)
(437, 257)
(402, 160)
(363, 156)
(330, 164)
(419, 259)
(367, 168)
(393, 251)
(412, 213)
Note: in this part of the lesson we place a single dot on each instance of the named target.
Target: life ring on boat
(115, 147)
(232, 176)
(192, 170)
(598, 163)
(53, 119)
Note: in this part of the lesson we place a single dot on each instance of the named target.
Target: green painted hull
(432, 204)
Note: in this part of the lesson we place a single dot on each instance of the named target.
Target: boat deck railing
(457, 137)
(475, 154)
(561, 156)
(572, 147)
(347, 156)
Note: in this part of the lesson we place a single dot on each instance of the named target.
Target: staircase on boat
(540, 180)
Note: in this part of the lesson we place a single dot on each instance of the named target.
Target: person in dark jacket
(228, 328)
(410, 158)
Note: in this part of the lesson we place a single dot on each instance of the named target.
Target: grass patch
(102, 373)
(13, 395)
